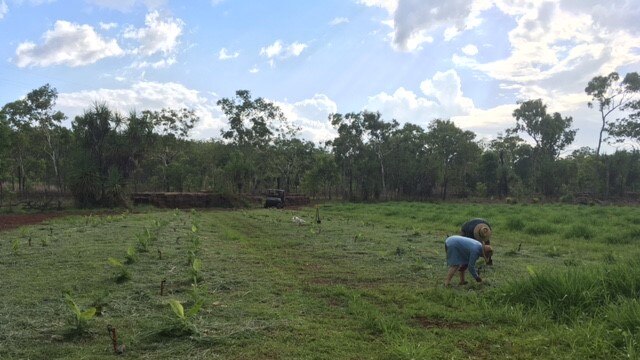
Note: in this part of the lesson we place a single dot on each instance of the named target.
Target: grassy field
(366, 283)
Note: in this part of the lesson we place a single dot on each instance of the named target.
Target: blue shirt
(463, 251)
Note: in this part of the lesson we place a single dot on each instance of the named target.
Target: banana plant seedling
(185, 318)
(122, 272)
(81, 317)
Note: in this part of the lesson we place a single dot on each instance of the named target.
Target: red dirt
(11, 221)
(16, 220)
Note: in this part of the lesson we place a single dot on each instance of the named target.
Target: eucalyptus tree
(514, 162)
(291, 159)
(551, 133)
(611, 94)
(36, 124)
(254, 125)
(409, 171)
(628, 127)
(253, 122)
(455, 151)
(323, 175)
(377, 134)
(165, 133)
(348, 147)
(5, 157)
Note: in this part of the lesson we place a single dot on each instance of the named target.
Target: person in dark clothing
(477, 229)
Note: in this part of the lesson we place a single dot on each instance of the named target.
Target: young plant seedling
(185, 323)
(122, 274)
(80, 317)
(196, 270)
(15, 247)
(131, 256)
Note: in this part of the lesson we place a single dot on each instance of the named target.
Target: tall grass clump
(515, 224)
(574, 293)
(579, 231)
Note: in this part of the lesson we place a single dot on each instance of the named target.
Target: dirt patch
(12, 221)
(430, 323)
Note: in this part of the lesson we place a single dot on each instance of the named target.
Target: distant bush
(567, 198)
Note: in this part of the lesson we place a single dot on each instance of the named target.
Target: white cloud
(389, 5)
(295, 49)
(159, 35)
(127, 5)
(67, 44)
(108, 26)
(415, 20)
(272, 50)
(254, 70)
(338, 21)
(225, 55)
(446, 88)
(441, 97)
(403, 105)
(312, 116)
(279, 50)
(160, 64)
(145, 95)
(470, 50)
(555, 49)
(4, 9)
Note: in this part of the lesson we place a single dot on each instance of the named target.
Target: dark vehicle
(275, 198)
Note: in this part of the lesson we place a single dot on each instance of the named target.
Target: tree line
(104, 156)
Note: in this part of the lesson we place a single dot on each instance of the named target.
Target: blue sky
(412, 60)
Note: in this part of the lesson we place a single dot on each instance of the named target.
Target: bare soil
(11, 221)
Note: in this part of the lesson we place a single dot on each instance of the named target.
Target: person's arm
(473, 257)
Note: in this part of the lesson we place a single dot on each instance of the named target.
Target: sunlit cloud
(67, 44)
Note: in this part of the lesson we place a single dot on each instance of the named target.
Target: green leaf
(177, 308)
(115, 262)
(197, 265)
(194, 228)
(194, 309)
(72, 305)
(88, 314)
(531, 271)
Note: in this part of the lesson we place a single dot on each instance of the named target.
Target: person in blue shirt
(462, 254)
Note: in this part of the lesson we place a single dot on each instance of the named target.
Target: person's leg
(452, 270)
(462, 270)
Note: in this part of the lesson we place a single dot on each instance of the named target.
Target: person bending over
(477, 229)
(462, 254)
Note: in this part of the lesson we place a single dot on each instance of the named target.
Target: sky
(412, 60)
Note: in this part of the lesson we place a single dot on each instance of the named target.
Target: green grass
(364, 284)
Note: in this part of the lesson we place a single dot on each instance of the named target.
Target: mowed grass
(366, 283)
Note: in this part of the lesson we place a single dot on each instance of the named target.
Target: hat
(482, 233)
